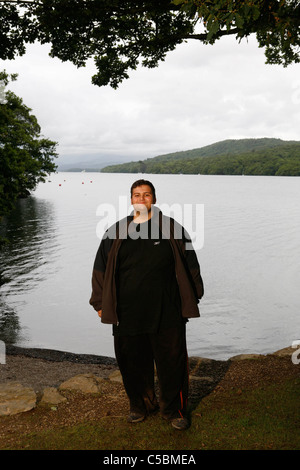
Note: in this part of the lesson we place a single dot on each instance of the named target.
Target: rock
(201, 379)
(86, 383)
(285, 351)
(242, 357)
(196, 362)
(52, 395)
(15, 398)
(116, 376)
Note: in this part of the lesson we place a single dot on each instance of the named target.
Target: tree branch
(203, 36)
(20, 2)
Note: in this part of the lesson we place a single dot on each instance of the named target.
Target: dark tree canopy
(120, 34)
(26, 157)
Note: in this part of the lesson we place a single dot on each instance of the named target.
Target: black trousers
(136, 356)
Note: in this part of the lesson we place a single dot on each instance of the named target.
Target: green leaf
(239, 21)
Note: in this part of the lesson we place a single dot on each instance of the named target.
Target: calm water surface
(250, 261)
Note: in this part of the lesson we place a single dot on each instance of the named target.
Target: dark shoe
(180, 423)
(135, 418)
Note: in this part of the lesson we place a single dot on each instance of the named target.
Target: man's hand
(100, 313)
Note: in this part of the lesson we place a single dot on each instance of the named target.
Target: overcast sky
(198, 96)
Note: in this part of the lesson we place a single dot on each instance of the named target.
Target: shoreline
(54, 355)
(59, 356)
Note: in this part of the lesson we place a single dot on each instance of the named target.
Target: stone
(51, 395)
(195, 363)
(86, 383)
(285, 351)
(242, 357)
(201, 379)
(15, 398)
(116, 376)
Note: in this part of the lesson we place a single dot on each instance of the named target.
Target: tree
(120, 34)
(26, 158)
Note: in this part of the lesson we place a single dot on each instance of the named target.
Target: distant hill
(266, 156)
(89, 166)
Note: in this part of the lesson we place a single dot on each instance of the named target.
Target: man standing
(146, 282)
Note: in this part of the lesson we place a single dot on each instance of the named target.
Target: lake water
(247, 237)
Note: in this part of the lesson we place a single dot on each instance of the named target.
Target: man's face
(142, 198)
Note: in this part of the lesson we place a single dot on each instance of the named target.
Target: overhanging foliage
(121, 34)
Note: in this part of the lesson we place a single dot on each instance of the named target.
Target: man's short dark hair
(141, 183)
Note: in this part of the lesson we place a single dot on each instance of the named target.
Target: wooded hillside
(229, 157)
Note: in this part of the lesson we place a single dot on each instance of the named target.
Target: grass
(262, 418)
